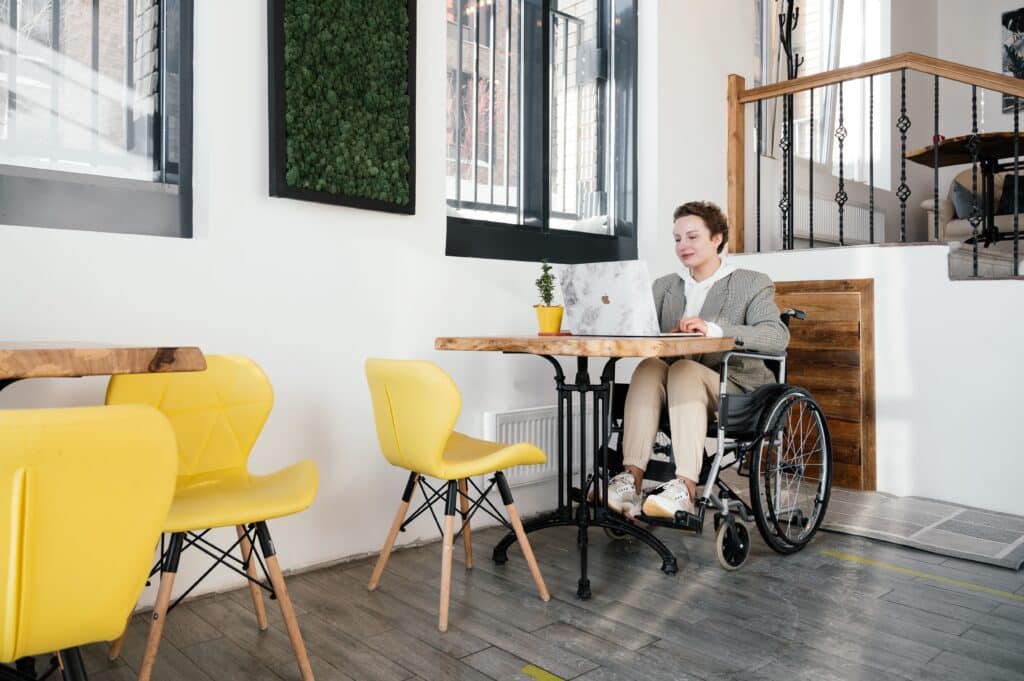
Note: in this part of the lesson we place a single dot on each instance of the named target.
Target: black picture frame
(279, 186)
(1012, 47)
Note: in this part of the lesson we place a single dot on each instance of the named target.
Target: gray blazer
(743, 304)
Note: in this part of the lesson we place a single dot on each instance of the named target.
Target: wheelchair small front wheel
(732, 544)
(615, 535)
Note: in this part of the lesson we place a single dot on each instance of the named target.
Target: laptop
(610, 299)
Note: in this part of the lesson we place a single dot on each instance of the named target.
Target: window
(541, 133)
(95, 114)
(831, 34)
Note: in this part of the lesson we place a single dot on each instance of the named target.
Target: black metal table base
(573, 508)
(564, 517)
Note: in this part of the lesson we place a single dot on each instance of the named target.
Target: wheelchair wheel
(791, 472)
(732, 544)
(615, 535)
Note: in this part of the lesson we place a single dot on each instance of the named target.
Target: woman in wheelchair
(714, 298)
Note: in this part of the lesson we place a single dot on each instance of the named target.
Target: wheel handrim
(796, 471)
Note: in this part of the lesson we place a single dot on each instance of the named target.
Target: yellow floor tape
(924, 575)
(535, 672)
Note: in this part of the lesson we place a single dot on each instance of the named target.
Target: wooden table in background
(992, 148)
(572, 507)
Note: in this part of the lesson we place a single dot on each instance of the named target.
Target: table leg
(593, 512)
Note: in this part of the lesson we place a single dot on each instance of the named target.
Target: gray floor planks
(809, 616)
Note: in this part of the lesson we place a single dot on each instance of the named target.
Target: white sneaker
(622, 495)
(674, 496)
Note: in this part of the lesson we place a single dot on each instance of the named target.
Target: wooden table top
(59, 360)
(992, 146)
(588, 346)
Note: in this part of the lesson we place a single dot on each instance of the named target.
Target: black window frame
(534, 239)
(41, 197)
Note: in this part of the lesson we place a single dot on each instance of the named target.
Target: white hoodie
(697, 292)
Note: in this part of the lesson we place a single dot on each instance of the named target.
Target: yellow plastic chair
(83, 495)
(415, 406)
(217, 414)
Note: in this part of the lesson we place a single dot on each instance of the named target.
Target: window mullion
(545, 223)
(535, 122)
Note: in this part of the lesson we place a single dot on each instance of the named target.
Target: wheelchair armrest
(723, 371)
(752, 354)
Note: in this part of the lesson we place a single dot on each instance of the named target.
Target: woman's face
(694, 244)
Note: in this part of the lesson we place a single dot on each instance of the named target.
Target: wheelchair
(776, 436)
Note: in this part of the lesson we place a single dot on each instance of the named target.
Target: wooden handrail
(989, 80)
(738, 96)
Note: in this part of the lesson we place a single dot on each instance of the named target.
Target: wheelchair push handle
(792, 313)
(789, 313)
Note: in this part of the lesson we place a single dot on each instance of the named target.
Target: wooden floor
(844, 608)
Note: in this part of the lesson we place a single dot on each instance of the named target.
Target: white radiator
(826, 221)
(538, 426)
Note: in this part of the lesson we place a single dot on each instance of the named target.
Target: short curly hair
(713, 217)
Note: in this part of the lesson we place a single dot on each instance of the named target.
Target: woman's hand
(691, 324)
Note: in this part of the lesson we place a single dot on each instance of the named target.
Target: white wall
(698, 44)
(310, 291)
(970, 33)
(947, 370)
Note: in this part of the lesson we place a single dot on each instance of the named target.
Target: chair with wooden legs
(83, 495)
(217, 414)
(415, 406)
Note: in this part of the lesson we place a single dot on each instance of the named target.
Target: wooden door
(832, 354)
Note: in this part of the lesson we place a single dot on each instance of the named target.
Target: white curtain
(831, 34)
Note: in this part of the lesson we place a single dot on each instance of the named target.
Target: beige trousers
(691, 391)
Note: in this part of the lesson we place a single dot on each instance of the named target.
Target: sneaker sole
(654, 507)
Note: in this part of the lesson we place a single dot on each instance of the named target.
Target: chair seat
(466, 456)
(236, 497)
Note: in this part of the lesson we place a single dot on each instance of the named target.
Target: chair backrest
(415, 406)
(84, 493)
(217, 414)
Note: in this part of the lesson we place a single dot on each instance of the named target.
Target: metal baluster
(784, 202)
(903, 124)
(1016, 186)
(458, 104)
(935, 161)
(791, 161)
(493, 14)
(760, 137)
(476, 104)
(810, 176)
(871, 159)
(841, 196)
(508, 93)
(972, 146)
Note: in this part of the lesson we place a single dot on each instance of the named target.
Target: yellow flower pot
(549, 318)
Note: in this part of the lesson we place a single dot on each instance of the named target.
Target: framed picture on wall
(1013, 50)
(342, 84)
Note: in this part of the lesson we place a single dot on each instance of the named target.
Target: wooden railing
(739, 97)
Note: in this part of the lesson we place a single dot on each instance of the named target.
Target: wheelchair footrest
(681, 521)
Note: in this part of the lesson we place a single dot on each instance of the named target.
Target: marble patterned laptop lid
(609, 299)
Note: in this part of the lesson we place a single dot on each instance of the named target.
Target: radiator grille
(826, 221)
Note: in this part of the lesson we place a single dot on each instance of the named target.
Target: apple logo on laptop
(605, 300)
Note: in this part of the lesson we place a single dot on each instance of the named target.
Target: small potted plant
(549, 316)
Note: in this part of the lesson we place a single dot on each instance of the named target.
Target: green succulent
(346, 68)
(546, 283)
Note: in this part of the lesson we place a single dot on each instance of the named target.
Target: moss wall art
(342, 109)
